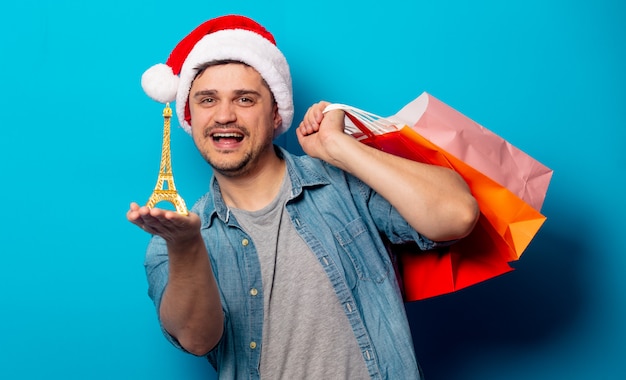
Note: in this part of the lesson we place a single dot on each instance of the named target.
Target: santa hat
(230, 37)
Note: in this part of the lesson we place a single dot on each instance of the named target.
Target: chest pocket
(369, 263)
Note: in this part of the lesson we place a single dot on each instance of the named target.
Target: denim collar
(303, 173)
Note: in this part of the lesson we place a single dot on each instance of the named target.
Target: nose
(225, 113)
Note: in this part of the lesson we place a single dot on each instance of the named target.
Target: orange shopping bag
(506, 225)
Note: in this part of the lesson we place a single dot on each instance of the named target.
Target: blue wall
(80, 141)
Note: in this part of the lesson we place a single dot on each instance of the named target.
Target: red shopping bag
(506, 225)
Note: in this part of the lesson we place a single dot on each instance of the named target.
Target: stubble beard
(237, 168)
(231, 169)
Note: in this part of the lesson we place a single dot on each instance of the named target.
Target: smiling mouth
(225, 137)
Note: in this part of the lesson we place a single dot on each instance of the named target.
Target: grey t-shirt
(306, 333)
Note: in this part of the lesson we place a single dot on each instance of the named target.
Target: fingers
(133, 214)
(155, 220)
(313, 118)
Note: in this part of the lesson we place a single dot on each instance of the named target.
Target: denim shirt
(341, 220)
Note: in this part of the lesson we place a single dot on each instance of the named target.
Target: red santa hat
(230, 37)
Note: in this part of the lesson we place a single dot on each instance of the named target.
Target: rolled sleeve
(396, 228)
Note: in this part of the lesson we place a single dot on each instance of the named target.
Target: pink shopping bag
(477, 146)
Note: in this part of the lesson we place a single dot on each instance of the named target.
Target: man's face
(233, 118)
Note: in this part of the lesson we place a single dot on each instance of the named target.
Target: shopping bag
(506, 224)
(477, 146)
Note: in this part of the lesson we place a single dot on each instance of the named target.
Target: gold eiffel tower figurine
(165, 190)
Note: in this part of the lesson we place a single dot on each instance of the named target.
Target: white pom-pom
(160, 83)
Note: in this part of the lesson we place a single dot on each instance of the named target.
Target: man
(280, 270)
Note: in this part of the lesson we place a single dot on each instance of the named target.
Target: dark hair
(218, 62)
(203, 66)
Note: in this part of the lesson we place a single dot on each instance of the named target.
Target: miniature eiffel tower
(165, 190)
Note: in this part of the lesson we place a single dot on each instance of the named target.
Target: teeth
(227, 135)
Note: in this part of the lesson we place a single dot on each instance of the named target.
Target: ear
(278, 120)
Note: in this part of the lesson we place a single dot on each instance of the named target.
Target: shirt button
(245, 242)
(254, 291)
(253, 345)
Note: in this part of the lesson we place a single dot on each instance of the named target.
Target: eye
(245, 101)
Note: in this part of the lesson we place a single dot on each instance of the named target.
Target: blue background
(80, 140)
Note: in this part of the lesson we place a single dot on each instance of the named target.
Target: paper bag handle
(368, 123)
